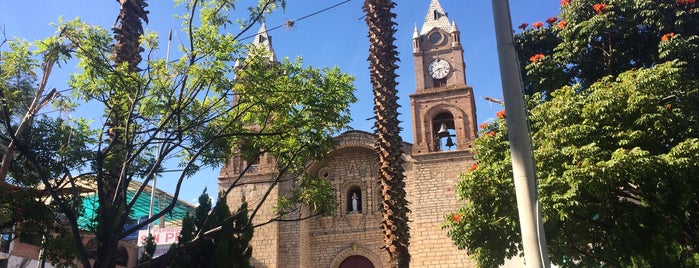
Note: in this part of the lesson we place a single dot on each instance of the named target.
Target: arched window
(444, 129)
(354, 199)
(122, 256)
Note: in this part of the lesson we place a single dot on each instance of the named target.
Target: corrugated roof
(141, 206)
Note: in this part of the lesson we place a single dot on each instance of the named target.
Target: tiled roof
(435, 18)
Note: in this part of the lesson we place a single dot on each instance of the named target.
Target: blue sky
(336, 37)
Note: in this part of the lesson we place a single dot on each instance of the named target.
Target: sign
(159, 250)
(163, 236)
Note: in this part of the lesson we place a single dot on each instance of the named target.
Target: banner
(163, 236)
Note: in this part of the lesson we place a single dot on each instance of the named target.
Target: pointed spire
(436, 18)
(415, 34)
(264, 40)
(455, 35)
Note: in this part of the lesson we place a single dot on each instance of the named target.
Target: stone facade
(444, 123)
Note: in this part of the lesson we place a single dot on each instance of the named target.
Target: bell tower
(443, 109)
(444, 125)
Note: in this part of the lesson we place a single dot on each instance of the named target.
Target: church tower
(442, 100)
(444, 125)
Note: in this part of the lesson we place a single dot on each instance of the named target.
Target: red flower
(500, 114)
(523, 26)
(667, 37)
(472, 168)
(565, 2)
(538, 24)
(484, 125)
(551, 20)
(562, 24)
(599, 8)
(536, 58)
(457, 217)
(492, 133)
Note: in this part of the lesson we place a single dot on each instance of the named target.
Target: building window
(354, 200)
(439, 82)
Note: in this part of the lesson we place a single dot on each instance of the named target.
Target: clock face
(439, 68)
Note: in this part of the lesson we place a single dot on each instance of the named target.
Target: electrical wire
(299, 19)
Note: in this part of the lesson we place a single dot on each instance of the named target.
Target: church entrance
(356, 261)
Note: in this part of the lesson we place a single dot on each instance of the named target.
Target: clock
(439, 68)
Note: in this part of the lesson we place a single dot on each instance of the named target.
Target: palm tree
(382, 59)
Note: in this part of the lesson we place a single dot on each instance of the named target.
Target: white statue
(355, 202)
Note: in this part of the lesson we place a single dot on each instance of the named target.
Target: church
(443, 123)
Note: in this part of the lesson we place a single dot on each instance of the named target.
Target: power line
(292, 22)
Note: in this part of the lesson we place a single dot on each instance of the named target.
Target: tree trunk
(382, 58)
(111, 181)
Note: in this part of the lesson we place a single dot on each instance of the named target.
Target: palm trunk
(382, 58)
(112, 211)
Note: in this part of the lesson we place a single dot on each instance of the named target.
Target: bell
(443, 132)
(450, 143)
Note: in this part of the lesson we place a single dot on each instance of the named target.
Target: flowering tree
(615, 138)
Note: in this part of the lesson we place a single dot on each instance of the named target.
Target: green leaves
(613, 167)
(192, 112)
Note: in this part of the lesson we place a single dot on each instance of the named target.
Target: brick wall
(430, 191)
(327, 240)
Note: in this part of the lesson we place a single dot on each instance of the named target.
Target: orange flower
(538, 24)
(492, 133)
(599, 8)
(500, 114)
(667, 37)
(474, 152)
(472, 168)
(565, 2)
(457, 217)
(562, 24)
(484, 125)
(551, 20)
(536, 58)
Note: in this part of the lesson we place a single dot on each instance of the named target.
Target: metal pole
(160, 149)
(523, 169)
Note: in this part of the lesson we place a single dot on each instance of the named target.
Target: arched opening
(356, 261)
(354, 199)
(122, 256)
(444, 129)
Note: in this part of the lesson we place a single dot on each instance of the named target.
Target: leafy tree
(228, 247)
(188, 112)
(616, 146)
(233, 243)
(148, 249)
(591, 39)
(382, 58)
(24, 71)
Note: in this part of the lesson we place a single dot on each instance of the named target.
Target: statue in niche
(355, 203)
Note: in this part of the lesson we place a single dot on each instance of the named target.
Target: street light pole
(523, 169)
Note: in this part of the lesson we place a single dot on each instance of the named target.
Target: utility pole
(533, 236)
